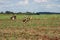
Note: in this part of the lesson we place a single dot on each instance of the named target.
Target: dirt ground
(38, 33)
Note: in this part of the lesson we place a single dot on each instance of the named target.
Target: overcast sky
(30, 5)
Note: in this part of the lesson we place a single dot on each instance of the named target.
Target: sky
(30, 5)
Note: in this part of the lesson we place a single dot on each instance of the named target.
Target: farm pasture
(40, 27)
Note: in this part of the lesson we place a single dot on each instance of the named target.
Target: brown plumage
(26, 20)
(13, 17)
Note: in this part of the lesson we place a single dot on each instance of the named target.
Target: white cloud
(39, 1)
(52, 5)
(4, 1)
(25, 2)
(8, 3)
(58, 5)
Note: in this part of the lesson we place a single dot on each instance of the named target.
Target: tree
(2, 13)
(8, 12)
(38, 13)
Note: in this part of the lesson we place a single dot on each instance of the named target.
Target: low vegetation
(40, 27)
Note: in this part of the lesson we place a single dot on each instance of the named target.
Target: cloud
(52, 5)
(4, 1)
(30, 5)
(11, 3)
(58, 5)
(39, 1)
(25, 2)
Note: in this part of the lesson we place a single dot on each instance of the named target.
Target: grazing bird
(26, 19)
(13, 17)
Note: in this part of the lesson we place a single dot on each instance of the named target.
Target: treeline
(28, 13)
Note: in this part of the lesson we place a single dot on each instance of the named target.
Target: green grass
(37, 20)
(31, 30)
(4, 16)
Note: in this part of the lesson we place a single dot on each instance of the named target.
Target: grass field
(40, 27)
